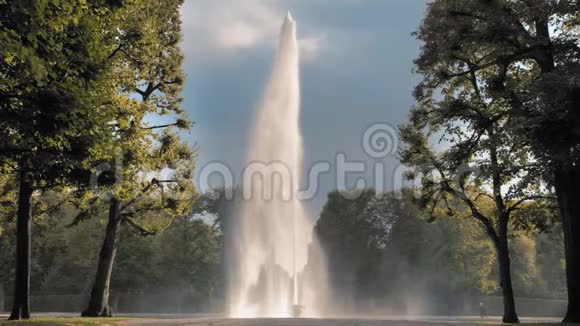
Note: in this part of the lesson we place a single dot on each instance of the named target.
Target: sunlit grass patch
(59, 321)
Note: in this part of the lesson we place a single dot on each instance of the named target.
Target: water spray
(271, 240)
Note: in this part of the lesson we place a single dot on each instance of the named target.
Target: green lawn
(66, 321)
(75, 321)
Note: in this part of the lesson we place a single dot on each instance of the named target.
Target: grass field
(76, 321)
(67, 321)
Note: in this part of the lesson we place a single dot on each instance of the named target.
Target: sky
(356, 71)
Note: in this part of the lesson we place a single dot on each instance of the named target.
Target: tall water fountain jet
(275, 264)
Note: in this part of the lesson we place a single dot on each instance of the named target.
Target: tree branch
(488, 225)
(84, 214)
(154, 183)
(516, 205)
(143, 231)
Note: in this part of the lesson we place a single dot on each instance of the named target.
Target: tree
(64, 256)
(183, 260)
(220, 205)
(355, 234)
(190, 261)
(149, 81)
(148, 212)
(459, 103)
(7, 212)
(526, 54)
(53, 100)
(551, 262)
(341, 235)
(382, 252)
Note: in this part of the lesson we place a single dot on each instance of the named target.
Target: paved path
(215, 320)
(390, 321)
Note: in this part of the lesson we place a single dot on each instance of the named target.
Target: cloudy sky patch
(356, 70)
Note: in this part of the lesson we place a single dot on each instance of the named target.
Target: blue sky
(356, 70)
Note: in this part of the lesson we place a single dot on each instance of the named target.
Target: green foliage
(54, 99)
(403, 248)
(526, 55)
(452, 254)
(192, 259)
(82, 80)
(485, 67)
(71, 71)
(152, 168)
(500, 83)
(185, 259)
(7, 199)
(474, 60)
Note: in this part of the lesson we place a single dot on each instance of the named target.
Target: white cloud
(213, 29)
(238, 35)
(310, 47)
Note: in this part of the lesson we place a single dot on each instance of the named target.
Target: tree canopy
(489, 91)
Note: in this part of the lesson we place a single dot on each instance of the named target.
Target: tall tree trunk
(567, 182)
(509, 304)
(21, 305)
(501, 242)
(99, 301)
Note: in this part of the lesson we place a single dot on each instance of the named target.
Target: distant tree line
(383, 252)
(183, 261)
